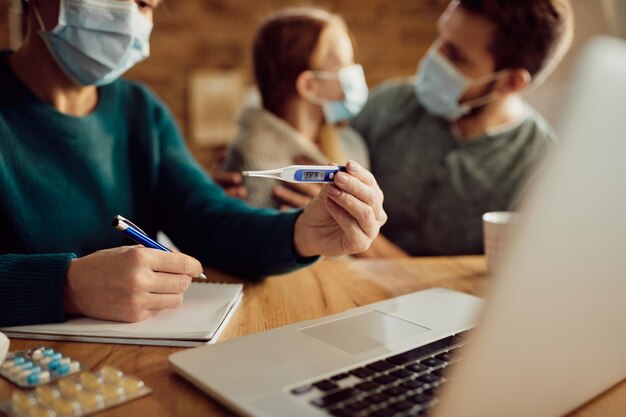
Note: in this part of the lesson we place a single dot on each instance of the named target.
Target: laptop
(551, 336)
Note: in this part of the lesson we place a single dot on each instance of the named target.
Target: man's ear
(306, 86)
(516, 81)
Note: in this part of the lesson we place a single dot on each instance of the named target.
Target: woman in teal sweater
(78, 146)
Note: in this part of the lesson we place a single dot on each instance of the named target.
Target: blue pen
(135, 233)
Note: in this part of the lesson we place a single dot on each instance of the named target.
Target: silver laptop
(551, 336)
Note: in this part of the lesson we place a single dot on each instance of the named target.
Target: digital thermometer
(299, 173)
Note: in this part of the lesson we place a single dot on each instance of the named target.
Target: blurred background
(200, 62)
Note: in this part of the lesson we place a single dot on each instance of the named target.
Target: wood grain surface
(330, 286)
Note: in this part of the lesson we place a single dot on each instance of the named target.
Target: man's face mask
(355, 91)
(96, 41)
(440, 86)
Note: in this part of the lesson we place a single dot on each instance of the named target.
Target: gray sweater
(436, 188)
(265, 141)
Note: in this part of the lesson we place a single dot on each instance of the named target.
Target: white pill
(74, 366)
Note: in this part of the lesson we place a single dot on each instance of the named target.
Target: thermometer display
(313, 175)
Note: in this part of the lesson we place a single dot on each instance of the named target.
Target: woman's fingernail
(342, 178)
(334, 191)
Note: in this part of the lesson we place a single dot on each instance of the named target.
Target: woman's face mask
(96, 41)
(355, 92)
(440, 87)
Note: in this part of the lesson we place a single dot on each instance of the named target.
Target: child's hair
(283, 47)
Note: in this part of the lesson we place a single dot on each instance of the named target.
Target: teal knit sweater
(63, 178)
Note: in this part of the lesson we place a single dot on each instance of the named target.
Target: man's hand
(128, 284)
(344, 218)
(296, 195)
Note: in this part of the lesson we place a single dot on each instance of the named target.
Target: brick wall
(391, 36)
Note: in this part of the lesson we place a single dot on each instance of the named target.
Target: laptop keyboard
(402, 385)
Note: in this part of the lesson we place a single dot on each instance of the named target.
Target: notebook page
(199, 317)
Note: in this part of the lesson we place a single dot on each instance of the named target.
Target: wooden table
(330, 286)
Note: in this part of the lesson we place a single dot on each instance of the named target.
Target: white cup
(497, 226)
(4, 347)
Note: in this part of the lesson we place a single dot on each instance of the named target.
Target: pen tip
(202, 276)
(245, 173)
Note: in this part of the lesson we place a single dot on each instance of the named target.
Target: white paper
(204, 308)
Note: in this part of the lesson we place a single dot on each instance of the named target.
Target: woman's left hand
(344, 218)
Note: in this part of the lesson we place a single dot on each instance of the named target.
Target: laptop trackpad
(363, 332)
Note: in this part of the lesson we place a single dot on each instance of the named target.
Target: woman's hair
(283, 48)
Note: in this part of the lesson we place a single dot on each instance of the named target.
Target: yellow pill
(131, 386)
(65, 408)
(90, 381)
(111, 393)
(69, 388)
(45, 395)
(39, 411)
(21, 401)
(111, 375)
(89, 401)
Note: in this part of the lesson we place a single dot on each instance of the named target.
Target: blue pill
(63, 369)
(54, 364)
(48, 352)
(56, 356)
(33, 379)
(19, 360)
(27, 365)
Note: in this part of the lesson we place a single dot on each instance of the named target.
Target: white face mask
(440, 86)
(355, 92)
(96, 41)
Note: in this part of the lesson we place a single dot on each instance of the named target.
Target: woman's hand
(128, 283)
(344, 218)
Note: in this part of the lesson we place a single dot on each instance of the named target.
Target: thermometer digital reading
(299, 173)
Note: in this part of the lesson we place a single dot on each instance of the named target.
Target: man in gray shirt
(460, 141)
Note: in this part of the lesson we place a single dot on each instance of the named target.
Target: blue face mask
(440, 87)
(355, 92)
(96, 41)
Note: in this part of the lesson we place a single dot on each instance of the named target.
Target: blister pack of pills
(77, 396)
(34, 367)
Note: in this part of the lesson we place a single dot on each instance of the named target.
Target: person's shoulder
(538, 128)
(255, 124)
(390, 103)
(395, 91)
(134, 90)
(258, 132)
(136, 97)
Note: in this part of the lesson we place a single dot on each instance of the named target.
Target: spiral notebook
(205, 311)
